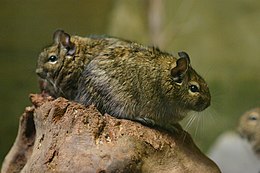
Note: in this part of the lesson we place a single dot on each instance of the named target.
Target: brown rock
(64, 136)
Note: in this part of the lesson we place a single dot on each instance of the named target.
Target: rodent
(249, 128)
(122, 78)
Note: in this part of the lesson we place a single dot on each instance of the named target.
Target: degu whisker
(191, 118)
(197, 123)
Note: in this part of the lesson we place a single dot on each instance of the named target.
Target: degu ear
(62, 38)
(182, 65)
(184, 55)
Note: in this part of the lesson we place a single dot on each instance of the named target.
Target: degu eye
(194, 88)
(53, 59)
(252, 117)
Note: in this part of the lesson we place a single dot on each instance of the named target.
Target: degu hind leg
(151, 123)
(145, 121)
(173, 128)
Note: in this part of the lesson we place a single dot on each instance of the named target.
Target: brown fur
(123, 78)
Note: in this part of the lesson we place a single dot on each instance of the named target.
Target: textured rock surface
(63, 136)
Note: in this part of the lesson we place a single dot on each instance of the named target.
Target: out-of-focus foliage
(221, 37)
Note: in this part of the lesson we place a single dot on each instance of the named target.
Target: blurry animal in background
(238, 151)
(249, 128)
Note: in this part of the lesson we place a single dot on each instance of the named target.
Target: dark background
(222, 38)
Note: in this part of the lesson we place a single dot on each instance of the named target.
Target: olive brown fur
(122, 78)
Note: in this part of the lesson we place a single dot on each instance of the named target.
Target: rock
(63, 136)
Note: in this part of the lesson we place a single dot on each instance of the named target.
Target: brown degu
(122, 78)
(249, 128)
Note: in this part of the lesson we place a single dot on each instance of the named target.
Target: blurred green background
(222, 38)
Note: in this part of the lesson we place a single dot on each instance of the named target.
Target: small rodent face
(53, 58)
(49, 62)
(249, 124)
(198, 96)
(193, 91)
